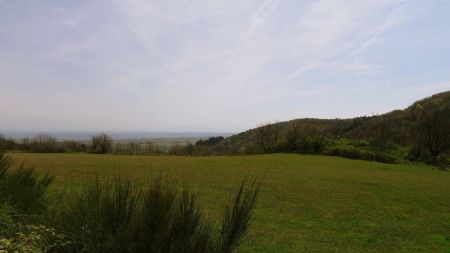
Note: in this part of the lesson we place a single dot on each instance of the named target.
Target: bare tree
(268, 136)
(101, 144)
(44, 143)
(382, 133)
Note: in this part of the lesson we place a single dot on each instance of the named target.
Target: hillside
(399, 127)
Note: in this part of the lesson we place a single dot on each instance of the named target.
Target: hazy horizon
(215, 66)
(117, 135)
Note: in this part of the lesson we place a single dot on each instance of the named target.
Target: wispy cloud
(258, 18)
(341, 31)
(213, 65)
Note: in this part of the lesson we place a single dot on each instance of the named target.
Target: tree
(433, 131)
(44, 143)
(101, 144)
(210, 141)
(2, 142)
(268, 136)
(382, 133)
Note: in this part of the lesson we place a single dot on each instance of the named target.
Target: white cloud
(192, 64)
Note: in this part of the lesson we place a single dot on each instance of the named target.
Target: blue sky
(219, 65)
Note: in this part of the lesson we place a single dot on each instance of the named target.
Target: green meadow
(307, 203)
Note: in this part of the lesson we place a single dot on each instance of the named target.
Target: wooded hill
(424, 126)
(420, 132)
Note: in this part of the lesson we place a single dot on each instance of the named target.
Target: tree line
(98, 144)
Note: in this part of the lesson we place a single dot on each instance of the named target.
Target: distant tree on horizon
(101, 144)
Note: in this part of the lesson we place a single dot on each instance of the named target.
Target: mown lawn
(307, 203)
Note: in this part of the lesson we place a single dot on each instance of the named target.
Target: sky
(216, 65)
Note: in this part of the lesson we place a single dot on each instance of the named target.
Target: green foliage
(22, 188)
(425, 124)
(26, 238)
(6, 220)
(417, 154)
(442, 162)
(210, 141)
(433, 130)
(97, 220)
(120, 217)
(360, 154)
(21, 199)
(114, 217)
(296, 142)
(237, 217)
(33, 239)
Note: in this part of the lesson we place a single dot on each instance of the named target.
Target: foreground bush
(31, 239)
(22, 197)
(114, 217)
(119, 217)
(22, 188)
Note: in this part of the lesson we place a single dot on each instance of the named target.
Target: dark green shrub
(210, 141)
(6, 220)
(118, 217)
(442, 162)
(21, 199)
(306, 144)
(303, 144)
(359, 154)
(414, 154)
(417, 154)
(384, 157)
(99, 218)
(22, 188)
(360, 143)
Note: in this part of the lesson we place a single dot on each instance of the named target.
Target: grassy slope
(307, 204)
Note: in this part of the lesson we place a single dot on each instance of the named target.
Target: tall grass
(22, 188)
(237, 217)
(99, 219)
(119, 217)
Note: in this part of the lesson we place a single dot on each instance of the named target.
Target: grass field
(307, 203)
